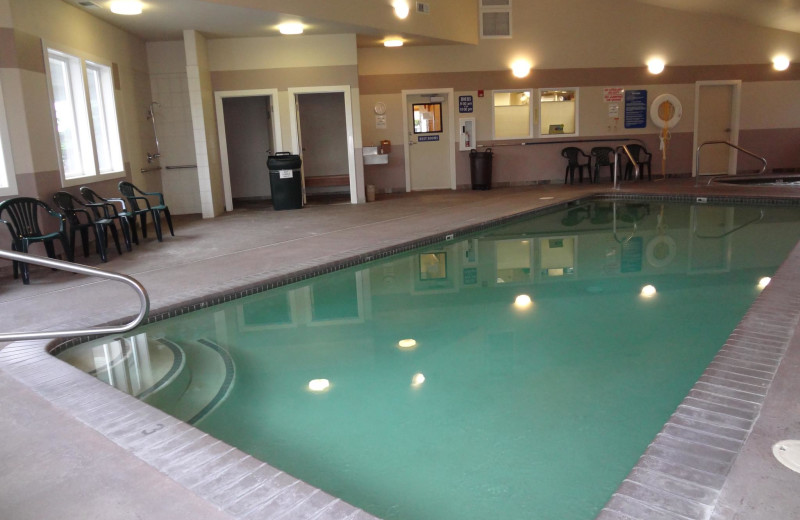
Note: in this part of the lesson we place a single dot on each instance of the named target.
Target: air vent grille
(423, 7)
(495, 18)
(88, 4)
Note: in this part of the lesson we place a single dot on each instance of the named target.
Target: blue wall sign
(635, 108)
(465, 104)
(424, 138)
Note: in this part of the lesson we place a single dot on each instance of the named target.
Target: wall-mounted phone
(466, 134)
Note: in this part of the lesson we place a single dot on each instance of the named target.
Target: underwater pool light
(319, 385)
(407, 343)
(418, 379)
(764, 282)
(648, 291)
(523, 301)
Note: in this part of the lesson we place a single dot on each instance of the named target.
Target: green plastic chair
(129, 191)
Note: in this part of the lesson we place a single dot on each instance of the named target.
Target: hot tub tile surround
(679, 476)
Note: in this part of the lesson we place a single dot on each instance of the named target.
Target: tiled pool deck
(125, 459)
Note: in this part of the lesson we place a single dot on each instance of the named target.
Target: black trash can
(284, 181)
(480, 167)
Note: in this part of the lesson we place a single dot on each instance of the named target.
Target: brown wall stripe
(502, 79)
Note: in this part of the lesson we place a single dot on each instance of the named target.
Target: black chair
(129, 191)
(80, 220)
(103, 208)
(573, 156)
(642, 158)
(21, 217)
(602, 157)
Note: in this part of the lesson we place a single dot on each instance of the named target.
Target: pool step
(203, 383)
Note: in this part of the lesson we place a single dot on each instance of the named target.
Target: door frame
(451, 129)
(736, 95)
(356, 183)
(277, 141)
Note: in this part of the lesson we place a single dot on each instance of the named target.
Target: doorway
(249, 130)
(716, 119)
(321, 120)
(429, 150)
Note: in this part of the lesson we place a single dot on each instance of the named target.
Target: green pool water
(498, 410)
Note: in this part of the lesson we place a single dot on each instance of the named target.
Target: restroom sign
(465, 104)
(613, 94)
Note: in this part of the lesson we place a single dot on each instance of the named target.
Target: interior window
(559, 111)
(512, 114)
(427, 118)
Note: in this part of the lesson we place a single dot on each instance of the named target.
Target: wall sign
(613, 94)
(635, 108)
(424, 138)
(465, 104)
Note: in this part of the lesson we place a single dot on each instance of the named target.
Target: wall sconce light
(393, 42)
(291, 28)
(655, 66)
(780, 62)
(126, 7)
(520, 69)
(400, 8)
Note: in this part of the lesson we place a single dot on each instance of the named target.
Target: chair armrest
(147, 202)
(156, 194)
(63, 226)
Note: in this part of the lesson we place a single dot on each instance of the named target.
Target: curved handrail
(697, 159)
(144, 299)
(624, 148)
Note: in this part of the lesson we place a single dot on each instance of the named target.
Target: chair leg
(26, 276)
(14, 263)
(72, 239)
(169, 221)
(115, 236)
(143, 220)
(85, 241)
(157, 224)
(100, 232)
(67, 250)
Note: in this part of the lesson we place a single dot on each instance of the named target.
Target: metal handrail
(697, 159)
(144, 299)
(614, 228)
(616, 164)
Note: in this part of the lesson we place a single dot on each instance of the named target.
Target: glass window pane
(512, 114)
(65, 117)
(558, 111)
(104, 118)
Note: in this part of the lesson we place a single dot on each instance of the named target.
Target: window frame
(546, 135)
(79, 94)
(8, 175)
(531, 119)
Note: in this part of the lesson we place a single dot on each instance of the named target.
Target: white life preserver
(669, 98)
(660, 251)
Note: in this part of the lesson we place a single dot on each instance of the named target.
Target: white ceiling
(166, 19)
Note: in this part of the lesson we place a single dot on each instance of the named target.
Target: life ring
(660, 251)
(676, 110)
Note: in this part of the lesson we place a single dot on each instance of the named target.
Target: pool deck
(75, 448)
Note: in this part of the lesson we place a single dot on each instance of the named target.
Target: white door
(717, 119)
(430, 149)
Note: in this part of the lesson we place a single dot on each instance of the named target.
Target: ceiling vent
(423, 7)
(495, 19)
(88, 5)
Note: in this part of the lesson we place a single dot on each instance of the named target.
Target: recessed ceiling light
(291, 28)
(400, 8)
(393, 42)
(126, 7)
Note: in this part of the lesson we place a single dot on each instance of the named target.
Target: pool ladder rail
(624, 148)
(713, 176)
(144, 299)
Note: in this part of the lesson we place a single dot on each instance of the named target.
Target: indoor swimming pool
(519, 372)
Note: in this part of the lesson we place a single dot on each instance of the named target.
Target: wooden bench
(326, 181)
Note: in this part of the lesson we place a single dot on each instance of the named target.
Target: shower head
(150, 108)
